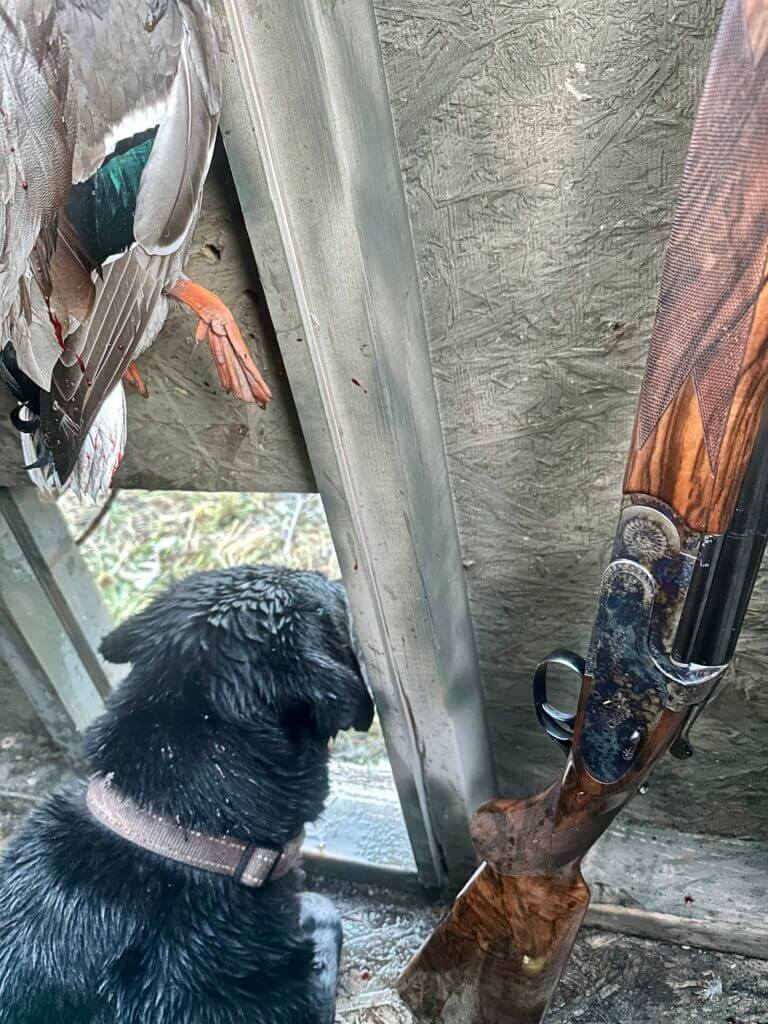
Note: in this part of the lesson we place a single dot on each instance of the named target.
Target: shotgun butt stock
(498, 953)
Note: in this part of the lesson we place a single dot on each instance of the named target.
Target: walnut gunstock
(491, 962)
(689, 543)
(491, 958)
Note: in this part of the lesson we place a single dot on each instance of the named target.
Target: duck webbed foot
(236, 369)
(132, 377)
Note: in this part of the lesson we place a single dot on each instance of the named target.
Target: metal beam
(308, 129)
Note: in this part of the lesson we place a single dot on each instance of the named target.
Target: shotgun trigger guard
(557, 724)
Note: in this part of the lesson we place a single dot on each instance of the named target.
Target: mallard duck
(108, 116)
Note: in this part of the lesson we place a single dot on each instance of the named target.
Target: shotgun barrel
(690, 539)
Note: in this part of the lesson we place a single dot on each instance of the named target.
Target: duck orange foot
(132, 377)
(236, 369)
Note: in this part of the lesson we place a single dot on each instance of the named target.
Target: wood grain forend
(757, 22)
(674, 463)
(706, 380)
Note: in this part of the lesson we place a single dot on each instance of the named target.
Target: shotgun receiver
(690, 539)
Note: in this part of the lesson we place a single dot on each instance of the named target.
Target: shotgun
(689, 542)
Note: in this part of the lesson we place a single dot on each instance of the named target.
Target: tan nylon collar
(248, 864)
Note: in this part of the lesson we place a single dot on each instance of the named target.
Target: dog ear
(144, 633)
(168, 626)
(119, 646)
(334, 697)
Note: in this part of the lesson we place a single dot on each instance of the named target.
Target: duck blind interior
(539, 152)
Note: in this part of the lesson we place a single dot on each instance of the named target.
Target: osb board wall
(189, 435)
(542, 145)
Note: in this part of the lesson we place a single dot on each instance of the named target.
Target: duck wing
(181, 154)
(121, 73)
(165, 79)
(37, 145)
(130, 304)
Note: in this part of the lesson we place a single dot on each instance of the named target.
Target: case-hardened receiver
(634, 674)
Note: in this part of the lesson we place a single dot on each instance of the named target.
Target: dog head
(257, 639)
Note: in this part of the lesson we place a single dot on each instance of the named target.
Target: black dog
(239, 680)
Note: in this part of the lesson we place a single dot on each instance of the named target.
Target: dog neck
(245, 779)
(246, 863)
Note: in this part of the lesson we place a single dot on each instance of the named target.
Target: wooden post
(308, 129)
(52, 617)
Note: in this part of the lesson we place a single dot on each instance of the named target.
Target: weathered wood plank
(542, 146)
(23, 669)
(309, 134)
(189, 435)
(51, 617)
(691, 889)
(44, 539)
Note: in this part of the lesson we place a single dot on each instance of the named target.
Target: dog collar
(247, 863)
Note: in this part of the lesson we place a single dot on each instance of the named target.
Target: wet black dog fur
(239, 678)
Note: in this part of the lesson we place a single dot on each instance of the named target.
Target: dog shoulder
(49, 918)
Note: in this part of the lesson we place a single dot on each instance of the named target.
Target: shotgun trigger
(556, 724)
(681, 748)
